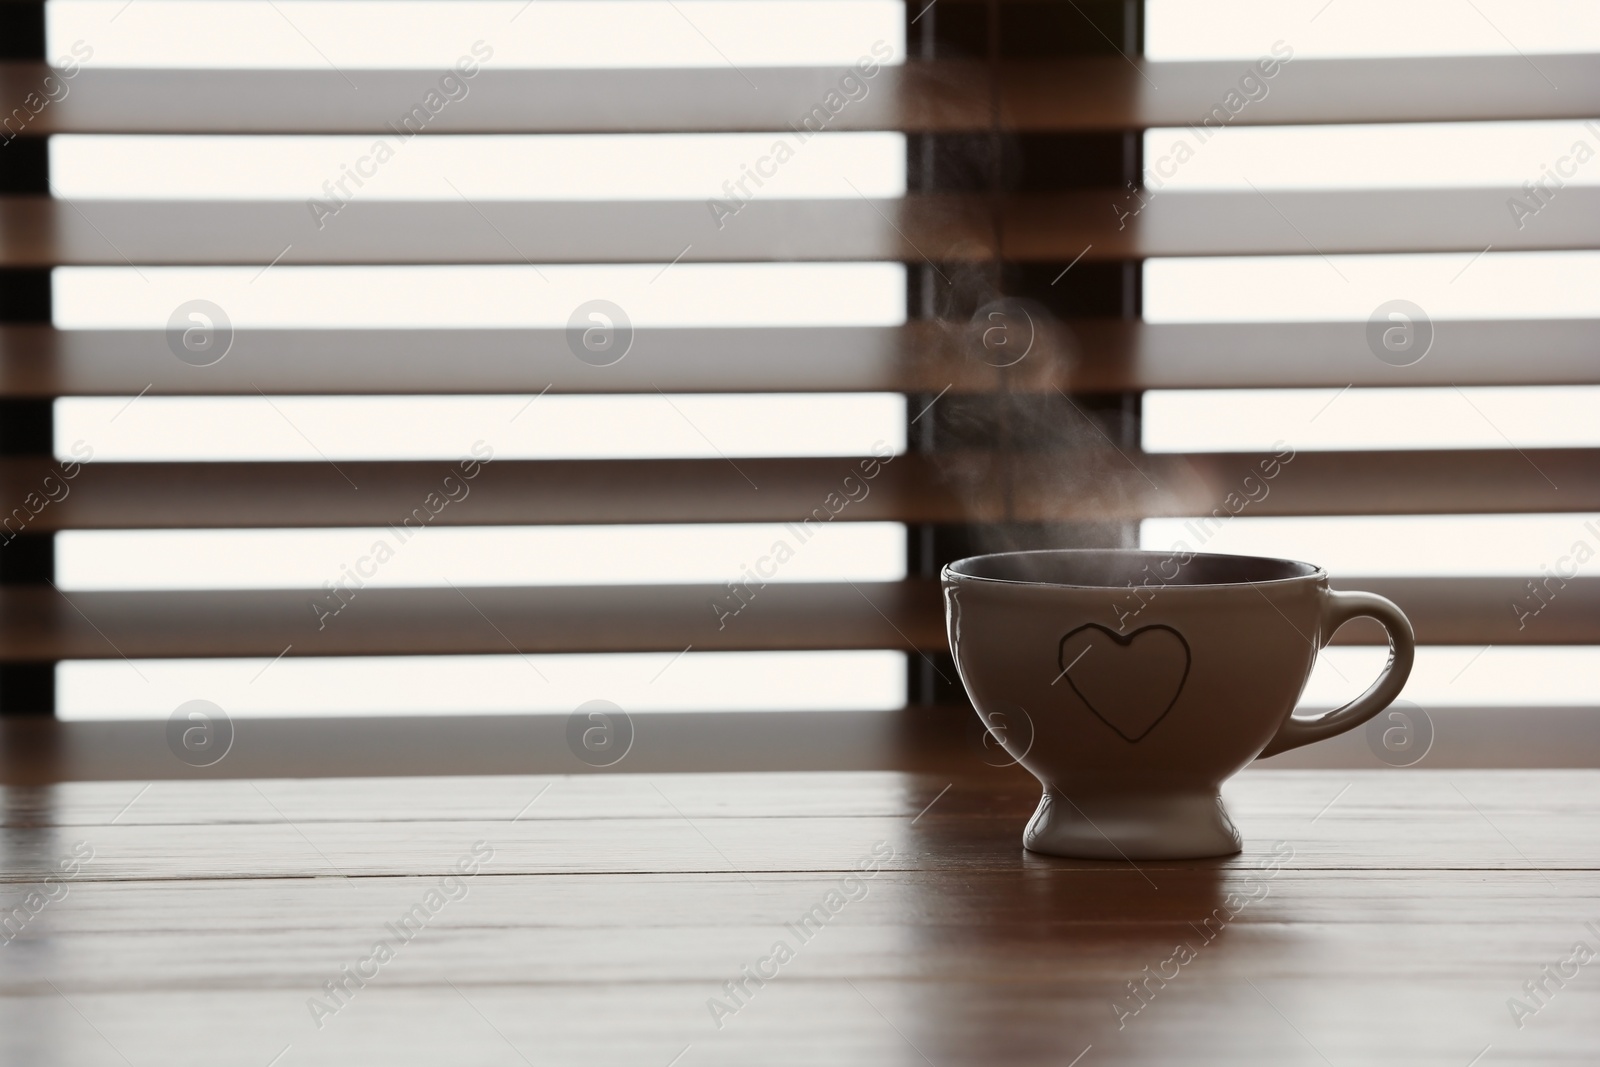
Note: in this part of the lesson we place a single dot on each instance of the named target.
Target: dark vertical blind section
(1023, 432)
(27, 557)
(22, 29)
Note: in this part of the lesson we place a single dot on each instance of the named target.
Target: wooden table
(1374, 917)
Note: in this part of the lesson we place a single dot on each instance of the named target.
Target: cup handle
(1339, 608)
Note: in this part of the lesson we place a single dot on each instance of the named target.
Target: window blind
(1030, 249)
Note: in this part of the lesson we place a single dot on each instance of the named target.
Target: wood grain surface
(1375, 917)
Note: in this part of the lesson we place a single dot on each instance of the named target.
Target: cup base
(1169, 826)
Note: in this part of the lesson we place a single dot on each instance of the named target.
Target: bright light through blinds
(1527, 676)
(1245, 29)
(1396, 545)
(466, 685)
(579, 167)
(1247, 420)
(390, 34)
(1310, 288)
(322, 428)
(468, 297)
(1402, 155)
(392, 557)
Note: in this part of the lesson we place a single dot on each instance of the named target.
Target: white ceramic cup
(1135, 683)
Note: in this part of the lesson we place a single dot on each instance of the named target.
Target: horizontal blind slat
(1123, 225)
(951, 488)
(1084, 94)
(1098, 225)
(42, 624)
(38, 232)
(1078, 355)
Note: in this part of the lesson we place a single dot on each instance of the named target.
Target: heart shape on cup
(1129, 682)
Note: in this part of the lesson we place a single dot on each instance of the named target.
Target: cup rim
(953, 571)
